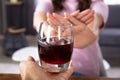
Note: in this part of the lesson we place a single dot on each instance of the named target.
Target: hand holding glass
(55, 46)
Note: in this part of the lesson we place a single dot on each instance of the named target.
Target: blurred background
(17, 32)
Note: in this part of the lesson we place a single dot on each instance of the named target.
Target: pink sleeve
(100, 7)
(44, 6)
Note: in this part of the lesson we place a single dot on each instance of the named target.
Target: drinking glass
(55, 47)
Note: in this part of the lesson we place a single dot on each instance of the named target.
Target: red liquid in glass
(55, 52)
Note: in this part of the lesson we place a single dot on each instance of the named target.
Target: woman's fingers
(52, 21)
(89, 20)
(76, 23)
(75, 13)
(76, 17)
(88, 17)
(72, 19)
(83, 13)
(85, 16)
(60, 19)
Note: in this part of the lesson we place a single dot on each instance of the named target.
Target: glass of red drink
(55, 46)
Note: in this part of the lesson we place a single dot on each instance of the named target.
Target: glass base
(55, 68)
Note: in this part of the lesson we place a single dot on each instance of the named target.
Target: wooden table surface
(17, 77)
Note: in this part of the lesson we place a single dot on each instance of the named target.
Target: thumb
(30, 58)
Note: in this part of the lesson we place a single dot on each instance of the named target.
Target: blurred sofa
(110, 35)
